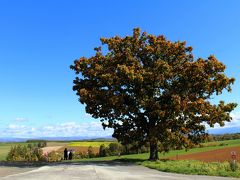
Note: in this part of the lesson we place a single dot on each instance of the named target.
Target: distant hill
(7, 139)
(224, 130)
(12, 139)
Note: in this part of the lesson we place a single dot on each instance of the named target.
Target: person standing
(70, 155)
(65, 154)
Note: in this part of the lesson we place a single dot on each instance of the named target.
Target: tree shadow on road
(21, 164)
(117, 162)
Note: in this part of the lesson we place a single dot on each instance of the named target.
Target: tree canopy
(149, 89)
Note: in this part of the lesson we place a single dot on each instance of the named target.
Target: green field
(5, 148)
(145, 156)
(226, 143)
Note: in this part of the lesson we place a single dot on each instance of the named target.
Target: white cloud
(68, 129)
(14, 130)
(91, 129)
(87, 116)
(86, 129)
(21, 119)
(235, 122)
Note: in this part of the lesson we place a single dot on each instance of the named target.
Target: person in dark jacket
(65, 154)
(70, 155)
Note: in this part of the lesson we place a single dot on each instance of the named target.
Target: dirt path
(219, 155)
(51, 148)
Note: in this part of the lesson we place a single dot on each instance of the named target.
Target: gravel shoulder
(5, 171)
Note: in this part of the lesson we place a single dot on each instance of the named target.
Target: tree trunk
(153, 151)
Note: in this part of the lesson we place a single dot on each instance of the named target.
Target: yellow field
(89, 143)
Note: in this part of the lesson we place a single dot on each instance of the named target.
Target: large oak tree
(151, 90)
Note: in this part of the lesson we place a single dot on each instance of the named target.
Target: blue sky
(39, 40)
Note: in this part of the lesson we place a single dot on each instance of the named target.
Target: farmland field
(89, 143)
(77, 146)
(207, 147)
(218, 155)
(235, 142)
(83, 146)
(5, 148)
(56, 143)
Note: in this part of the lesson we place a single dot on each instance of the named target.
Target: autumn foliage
(151, 90)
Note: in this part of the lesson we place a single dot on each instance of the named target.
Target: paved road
(101, 171)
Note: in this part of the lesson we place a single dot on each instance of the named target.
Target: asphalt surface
(101, 171)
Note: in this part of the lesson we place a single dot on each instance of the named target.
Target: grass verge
(180, 166)
(193, 167)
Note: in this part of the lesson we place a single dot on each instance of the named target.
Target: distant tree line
(117, 149)
(113, 149)
(222, 137)
(38, 143)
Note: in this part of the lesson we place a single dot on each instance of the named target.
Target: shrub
(90, 152)
(223, 144)
(233, 165)
(144, 149)
(102, 151)
(25, 153)
(114, 149)
(18, 153)
(54, 157)
(82, 155)
(42, 144)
